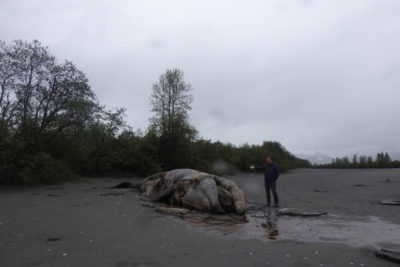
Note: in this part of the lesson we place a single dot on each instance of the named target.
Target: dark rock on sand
(52, 195)
(125, 185)
(320, 190)
(52, 239)
(195, 190)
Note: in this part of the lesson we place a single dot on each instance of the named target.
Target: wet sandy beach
(86, 224)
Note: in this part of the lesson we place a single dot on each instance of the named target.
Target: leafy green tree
(41, 103)
(171, 102)
(363, 160)
(38, 92)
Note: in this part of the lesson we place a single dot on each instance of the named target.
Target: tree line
(382, 160)
(52, 126)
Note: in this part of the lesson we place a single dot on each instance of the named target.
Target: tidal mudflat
(87, 224)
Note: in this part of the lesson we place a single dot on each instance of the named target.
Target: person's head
(268, 160)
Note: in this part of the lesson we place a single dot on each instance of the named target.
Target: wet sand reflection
(264, 223)
(271, 224)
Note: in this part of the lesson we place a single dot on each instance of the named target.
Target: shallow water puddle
(265, 225)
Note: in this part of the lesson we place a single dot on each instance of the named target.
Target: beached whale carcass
(195, 190)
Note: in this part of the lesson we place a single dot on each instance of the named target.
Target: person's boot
(268, 204)
(276, 204)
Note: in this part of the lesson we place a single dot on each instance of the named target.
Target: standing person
(271, 174)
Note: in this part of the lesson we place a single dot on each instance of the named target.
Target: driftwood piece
(172, 211)
(388, 254)
(391, 202)
(291, 212)
(148, 204)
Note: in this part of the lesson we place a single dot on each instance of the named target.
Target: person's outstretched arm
(258, 168)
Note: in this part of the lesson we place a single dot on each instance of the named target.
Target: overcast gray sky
(314, 75)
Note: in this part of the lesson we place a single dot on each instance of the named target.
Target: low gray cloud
(315, 75)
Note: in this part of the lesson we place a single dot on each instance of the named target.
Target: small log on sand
(390, 202)
(172, 211)
(291, 212)
(388, 254)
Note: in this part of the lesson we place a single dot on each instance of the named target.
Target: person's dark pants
(270, 185)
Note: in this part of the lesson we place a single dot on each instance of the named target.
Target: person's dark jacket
(271, 171)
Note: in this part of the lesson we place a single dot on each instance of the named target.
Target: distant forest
(53, 128)
(382, 160)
